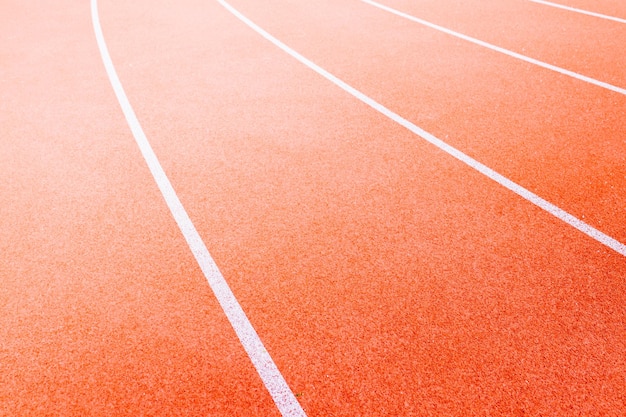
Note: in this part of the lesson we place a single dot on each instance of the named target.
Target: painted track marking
(581, 11)
(500, 49)
(262, 361)
(483, 169)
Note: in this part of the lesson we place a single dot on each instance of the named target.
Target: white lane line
(581, 11)
(500, 49)
(265, 366)
(517, 189)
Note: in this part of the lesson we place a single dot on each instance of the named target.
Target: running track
(382, 275)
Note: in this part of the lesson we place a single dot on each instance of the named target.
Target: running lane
(559, 137)
(103, 310)
(384, 277)
(583, 44)
(615, 8)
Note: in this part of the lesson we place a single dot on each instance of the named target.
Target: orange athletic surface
(383, 276)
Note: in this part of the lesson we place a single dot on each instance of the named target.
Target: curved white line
(496, 48)
(265, 366)
(483, 169)
(581, 11)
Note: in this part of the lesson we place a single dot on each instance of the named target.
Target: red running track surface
(383, 276)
